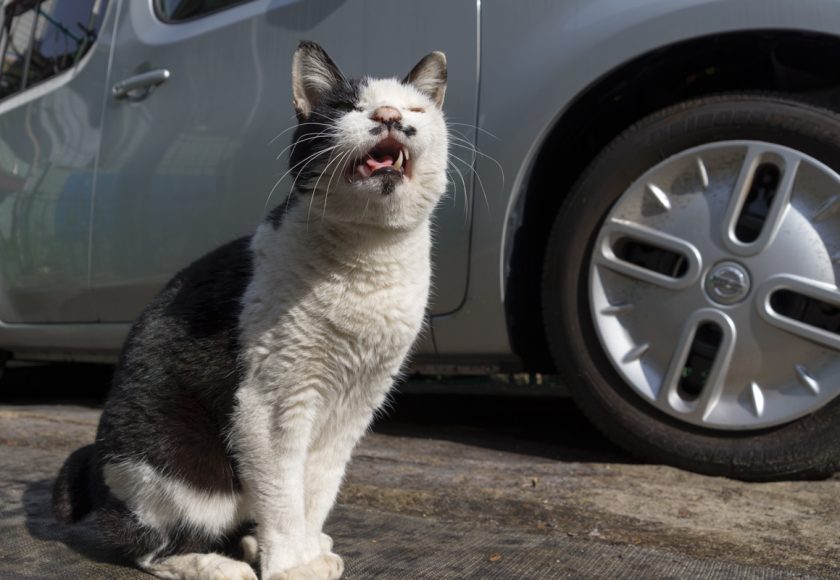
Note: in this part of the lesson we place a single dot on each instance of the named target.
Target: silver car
(645, 194)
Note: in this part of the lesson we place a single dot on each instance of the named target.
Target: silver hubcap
(713, 285)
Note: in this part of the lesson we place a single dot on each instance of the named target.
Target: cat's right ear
(429, 77)
(313, 75)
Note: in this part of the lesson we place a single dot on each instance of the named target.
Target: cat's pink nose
(386, 115)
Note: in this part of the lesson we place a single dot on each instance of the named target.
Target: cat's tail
(73, 490)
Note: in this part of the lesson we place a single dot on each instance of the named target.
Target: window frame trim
(159, 15)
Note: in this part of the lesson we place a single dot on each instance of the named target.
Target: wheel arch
(754, 60)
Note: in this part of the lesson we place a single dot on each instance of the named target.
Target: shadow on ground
(547, 427)
(542, 426)
(82, 538)
(56, 384)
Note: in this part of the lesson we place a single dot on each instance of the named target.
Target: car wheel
(690, 288)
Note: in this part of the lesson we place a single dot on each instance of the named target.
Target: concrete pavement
(456, 486)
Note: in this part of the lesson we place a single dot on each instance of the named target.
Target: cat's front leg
(270, 442)
(325, 468)
(326, 464)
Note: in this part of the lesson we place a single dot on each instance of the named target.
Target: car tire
(805, 446)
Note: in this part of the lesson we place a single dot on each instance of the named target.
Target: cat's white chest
(338, 313)
(379, 307)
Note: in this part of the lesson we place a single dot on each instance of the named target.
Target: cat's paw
(228, 570)
(324, 567)
(199, 567)
(331, 564)
(250, 549)
(326, 543)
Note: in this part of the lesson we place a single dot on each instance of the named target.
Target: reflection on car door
(51, 93)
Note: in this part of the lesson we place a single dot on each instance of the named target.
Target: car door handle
(140, 86)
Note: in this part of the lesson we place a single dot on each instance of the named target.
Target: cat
(245, 384)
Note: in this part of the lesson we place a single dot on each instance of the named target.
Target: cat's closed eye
(417, 109)
(347, 107)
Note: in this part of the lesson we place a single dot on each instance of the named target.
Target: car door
(190, 156)
(53, 66)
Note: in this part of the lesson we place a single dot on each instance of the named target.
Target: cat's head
(372, 151)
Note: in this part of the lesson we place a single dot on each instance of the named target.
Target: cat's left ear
(429, 77)
(313, 75)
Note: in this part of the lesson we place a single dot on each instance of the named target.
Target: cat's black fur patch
(275, 216)
(409, 131)
(173, 391)
(309, 157)
(389, 184)
(126, 535)
(72, 497)
(133, 540)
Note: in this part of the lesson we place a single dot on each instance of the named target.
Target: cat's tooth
(406, 154)
(398, 163)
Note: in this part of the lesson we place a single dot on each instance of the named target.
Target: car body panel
(49, 138)
(526, 86)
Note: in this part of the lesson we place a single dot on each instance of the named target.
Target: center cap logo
(727, 283)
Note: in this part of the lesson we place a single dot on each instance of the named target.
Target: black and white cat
(244, 386)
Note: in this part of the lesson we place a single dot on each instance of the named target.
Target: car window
(178, 10)
(41, 38)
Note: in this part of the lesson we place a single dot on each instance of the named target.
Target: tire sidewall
(804, 447)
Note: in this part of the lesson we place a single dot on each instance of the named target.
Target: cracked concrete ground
(456, 486)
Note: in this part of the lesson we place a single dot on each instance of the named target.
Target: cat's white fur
(337, 298)
(165, 502)
(321, 354)
(357, 204)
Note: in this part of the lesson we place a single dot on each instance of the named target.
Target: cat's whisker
(330, 161)
(464, 184)
(291, 189)
(309, 158)
(292, 152)
(451, 182)
(477, 152)
(478, 177)
(454, 191)
(364, 212)
(301, 172)
(286, 130)
(292, 168)
(322, 115)
(339, 165)
(344, 165)
(288, 201)
(471, 126)
(465, 144)
(304, 139)
(456, 134)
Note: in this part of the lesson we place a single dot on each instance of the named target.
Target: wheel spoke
(739, 193)
(797, 306)
(686, 256)
(756, 158)
(702, 404)
(716, 383)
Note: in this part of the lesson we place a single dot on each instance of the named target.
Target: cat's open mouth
(389, 158)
